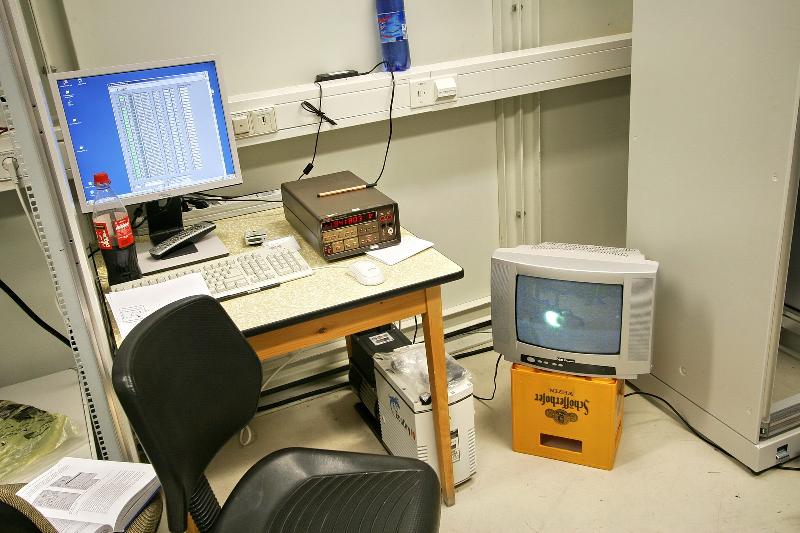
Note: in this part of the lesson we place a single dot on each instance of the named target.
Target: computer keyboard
(228, 277)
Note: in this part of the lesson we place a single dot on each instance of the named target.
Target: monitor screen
(157, 132)
(569, 316)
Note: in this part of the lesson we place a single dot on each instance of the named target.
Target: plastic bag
(412, 362)
(27, 434)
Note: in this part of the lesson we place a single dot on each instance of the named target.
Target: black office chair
(188, 381)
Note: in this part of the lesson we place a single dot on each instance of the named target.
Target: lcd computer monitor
(159, 130)
(576, 309)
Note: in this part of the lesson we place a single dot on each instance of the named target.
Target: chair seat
(305, 490)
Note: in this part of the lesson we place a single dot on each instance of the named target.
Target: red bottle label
(124, 232)
(103, 238)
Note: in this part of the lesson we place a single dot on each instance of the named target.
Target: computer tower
(363, 348)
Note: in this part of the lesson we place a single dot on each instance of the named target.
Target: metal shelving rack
(46, 191)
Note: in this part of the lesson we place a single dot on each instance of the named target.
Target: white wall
(584, 139)
(584, 153)
(26, 351)
(571, 20)
(442, 168)
(272, 44)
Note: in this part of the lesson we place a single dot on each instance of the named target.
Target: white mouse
(366, 273)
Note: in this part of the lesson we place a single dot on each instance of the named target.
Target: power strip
(220, 209)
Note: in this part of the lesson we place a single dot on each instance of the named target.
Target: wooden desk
(331, 304)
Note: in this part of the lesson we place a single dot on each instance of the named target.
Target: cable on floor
(494, 391)
(32, 315)
(685, 422)
(697, 433)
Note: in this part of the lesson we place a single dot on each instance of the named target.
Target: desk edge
(252, 332)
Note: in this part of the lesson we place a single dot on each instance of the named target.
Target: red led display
(350, 220)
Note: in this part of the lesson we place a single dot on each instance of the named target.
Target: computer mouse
(366, 272)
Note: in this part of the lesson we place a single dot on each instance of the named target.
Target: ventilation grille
(33, 207)
(501, 281)
(422, 453)
(473, 460)
(627, 253)
(640, 325)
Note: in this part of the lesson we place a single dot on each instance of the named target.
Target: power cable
(232, 198)
(494, 391)
(370, 71)
(470, 353)
(697, 433)
(33, 316)
(389, 141)
(322, 117)
(685, 422)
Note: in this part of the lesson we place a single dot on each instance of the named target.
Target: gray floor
(664, 479)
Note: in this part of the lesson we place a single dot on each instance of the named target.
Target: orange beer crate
(569, 418)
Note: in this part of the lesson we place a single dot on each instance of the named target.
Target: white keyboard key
(233, 276)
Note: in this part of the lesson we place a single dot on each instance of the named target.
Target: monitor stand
(165, 219)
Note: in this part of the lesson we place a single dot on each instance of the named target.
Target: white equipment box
(407, 423)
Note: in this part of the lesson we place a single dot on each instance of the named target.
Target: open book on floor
(88, 496)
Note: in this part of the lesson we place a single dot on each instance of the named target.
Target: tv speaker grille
(502, 275)
(640, 325)
(588, 248)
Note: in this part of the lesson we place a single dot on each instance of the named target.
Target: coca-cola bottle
(114, 233)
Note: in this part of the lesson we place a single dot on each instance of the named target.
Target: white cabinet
(711, 196)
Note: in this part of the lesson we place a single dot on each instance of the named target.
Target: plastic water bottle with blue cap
(393, 34)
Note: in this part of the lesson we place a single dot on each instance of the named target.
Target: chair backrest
(188, 380)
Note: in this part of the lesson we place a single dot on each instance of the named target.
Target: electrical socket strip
(218, 210)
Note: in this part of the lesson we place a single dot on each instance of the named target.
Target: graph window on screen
(569, 316)
(157, 131)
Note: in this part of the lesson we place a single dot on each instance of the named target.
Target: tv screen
(569, 316)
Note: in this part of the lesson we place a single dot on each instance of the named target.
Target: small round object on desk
(366, 272)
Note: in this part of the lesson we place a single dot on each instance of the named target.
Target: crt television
(572, 308)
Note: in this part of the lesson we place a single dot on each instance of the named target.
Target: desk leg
(437, 370)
